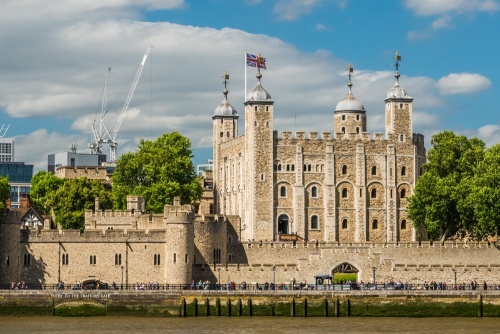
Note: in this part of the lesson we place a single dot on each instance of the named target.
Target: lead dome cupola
(396, 91)
(350, 103)
(258, 93)
(225, 108)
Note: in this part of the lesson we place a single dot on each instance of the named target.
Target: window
(93, 260)
(287, 167)
(293, 168)
(403, 224)
(227, 134)
(403, 171)
(275, 167)
(262, 177)
(375, 224)
(65, 259)
(344, 169)
(27, 260)
(222, 134)
(403, 193)
(344, 192)
(357, 130)
(185, 258)
(343, 117)
(401, 138)
(283, 191)
(175, 258)
(279, 167)
(267, 108)
(357, 117)
(118, 259)
(314, 222)
(309, 167)
(344, 223)
(374, 170)
(374, 193)
(157, 260)
(8, 261)
(267, 122)
(343, 130)
(314, 191)
(217, 255)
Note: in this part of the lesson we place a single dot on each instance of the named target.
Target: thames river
(268, 325)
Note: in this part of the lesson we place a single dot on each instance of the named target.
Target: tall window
(403, 171)
(65, 259)
(344, 192)
(314, 222)
(344, 169)
(283, 191)
(157, 260)
(375, 224)
(93, 260)
(27, 260)
(374, 170)
(403, 193)
(374, 193)
(314, 191)
(344, 223)
(118, 259)
(403, 224)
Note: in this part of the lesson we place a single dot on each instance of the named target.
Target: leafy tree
(74, 197)
(485, 194)
(4, 193)
(159, 171)
(441, 202)
(43, 189)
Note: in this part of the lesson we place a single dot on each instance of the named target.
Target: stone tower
(259, 183)
(225, 128)
(350, 115)
(180, 247)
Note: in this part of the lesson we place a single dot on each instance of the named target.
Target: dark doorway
(283, 224)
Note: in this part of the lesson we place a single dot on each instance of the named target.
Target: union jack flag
(256, 61)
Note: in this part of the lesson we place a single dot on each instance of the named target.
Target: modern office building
(74, 159)
(6, 149)
(19, 175)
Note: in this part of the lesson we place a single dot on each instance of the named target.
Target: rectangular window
(175, 258)
(93, 260)
(186, 259)
(27, 260)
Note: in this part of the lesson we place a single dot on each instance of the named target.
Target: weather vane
(350, 70)
(398, 59)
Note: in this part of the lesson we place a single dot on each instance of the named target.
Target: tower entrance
(283, 226)
(345, 272)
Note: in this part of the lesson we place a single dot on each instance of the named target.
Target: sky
(55, 57)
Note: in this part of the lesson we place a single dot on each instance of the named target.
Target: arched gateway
(345, 268)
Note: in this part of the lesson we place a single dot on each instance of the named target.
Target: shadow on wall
(32, 271)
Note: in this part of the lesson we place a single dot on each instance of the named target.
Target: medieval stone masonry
(277, 206)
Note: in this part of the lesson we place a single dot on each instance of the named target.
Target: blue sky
(55, 55)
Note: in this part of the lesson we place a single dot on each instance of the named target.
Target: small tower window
(267, 124)
(279, 167)
(374, 170)
(375, 224)
(255, 108)
(344, 223)
(314, 191)
(401, 138)
(227, 134)
(255, 122)
(344, 170)
(374, 193)
(357, 117)
(344, 192)
(357, 130)
(403, 171)
(343, 117)
(267, 108)
(314, 222)
(343, 130)
(222, 134)
(403, 224)
(403, 193)
(283, 191)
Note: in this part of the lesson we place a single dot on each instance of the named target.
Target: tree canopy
(67, 198)
(4, 193)
(458, 195)
(159, 171)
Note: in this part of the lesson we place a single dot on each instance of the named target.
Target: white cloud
(320, 26)
(292, 9)
(433, 7)
(463, 83)
(418, 35)
(442, 22)
(490, 134)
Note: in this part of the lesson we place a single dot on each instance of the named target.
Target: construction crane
(102, 135)
(3, 130)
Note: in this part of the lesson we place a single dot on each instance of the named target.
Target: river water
(268, 325)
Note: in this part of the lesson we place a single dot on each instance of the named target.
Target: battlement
(177, 213)
(313, 135)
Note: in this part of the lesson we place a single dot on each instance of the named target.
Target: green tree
(4, 193)
(43, 189)
(485, 194)
(159, 171)
(440, 203)
(74, 197)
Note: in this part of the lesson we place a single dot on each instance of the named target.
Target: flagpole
(245, 63)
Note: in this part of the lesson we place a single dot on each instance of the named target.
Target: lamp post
(220, 286)
(455, 272)
(374, 282)
(274, 278)
(121, 286)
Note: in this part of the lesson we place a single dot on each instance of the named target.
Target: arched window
(279, 167)
(314, 191)
(357, 117)
(287, 167)
(374, 193)
(344, 223)
(344, 169)
(309, 167)
(343, 130)
(403, 171)
(343, 117)
(275, 167)
(314, 222)
(267, 123)
(403, 193)
(283, 191)
(374, 170)
(357, 130)
(375, 224)
(344, 192)
(222, 134)
(293, 168)
(401, 138)
(403, 224)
